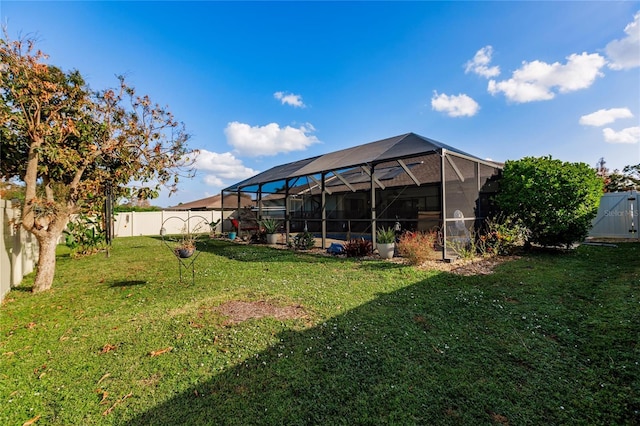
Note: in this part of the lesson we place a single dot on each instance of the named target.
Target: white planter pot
(272, 238)
(385, 250)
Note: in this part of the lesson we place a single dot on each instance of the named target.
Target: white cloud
(625, 53)
(213, 181)
(270, 139)
(480, 64)
(629, 135)
(221, 167)
(289, 99)
(605, 116)
(455, 106)
(536, 81)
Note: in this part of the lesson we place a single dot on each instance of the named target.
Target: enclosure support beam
(259, 203)
(323, 195)
(406, 169)
(443, 203)
(455, 168)
(287, 216)
(343, 180)
(373, 206)
(370, 173)
(321, 183)
(221, 211)
(238, 211)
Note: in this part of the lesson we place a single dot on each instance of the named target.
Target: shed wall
(617, 216)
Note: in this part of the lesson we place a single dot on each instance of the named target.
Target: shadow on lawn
(440, 351)
(260, 253)
(419, 355)
(342, 372)
(249, 252)
(127, 283)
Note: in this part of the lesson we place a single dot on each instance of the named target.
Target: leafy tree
(627, 180)
(11, 191)
(556, 201)
(68, 144)
(616, 181)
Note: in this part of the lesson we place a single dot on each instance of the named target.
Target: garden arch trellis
(190, 225)
(410, 179)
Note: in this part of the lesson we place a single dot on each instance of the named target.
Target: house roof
(397, 147)
(214, 203)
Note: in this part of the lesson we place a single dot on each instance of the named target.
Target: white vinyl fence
(617, 216)
(132, 224)
(18, 249)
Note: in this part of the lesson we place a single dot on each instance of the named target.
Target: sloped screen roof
(401, 146)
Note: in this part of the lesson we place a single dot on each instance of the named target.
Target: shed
(409, 181)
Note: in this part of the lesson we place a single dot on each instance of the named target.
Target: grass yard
(549, 338)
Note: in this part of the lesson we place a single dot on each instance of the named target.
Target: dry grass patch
(468, 267)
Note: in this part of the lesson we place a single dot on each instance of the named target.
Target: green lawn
(550, 338)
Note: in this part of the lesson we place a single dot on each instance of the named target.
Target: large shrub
(556, 201)
(418, 247)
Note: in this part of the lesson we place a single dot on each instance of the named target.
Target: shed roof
(402, 146)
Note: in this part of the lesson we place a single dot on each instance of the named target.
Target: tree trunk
(47, 255)
(46, 263)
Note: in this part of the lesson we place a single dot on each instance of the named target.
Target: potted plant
(235, 224)
(186, 246)
(385, 242)
(270, 227)
(213, 228)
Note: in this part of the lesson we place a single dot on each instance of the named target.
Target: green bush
(501, 236)
(85, 235)
(465, 248)
(556, 201)
(303, 241)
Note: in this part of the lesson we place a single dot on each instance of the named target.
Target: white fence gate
(617, 216)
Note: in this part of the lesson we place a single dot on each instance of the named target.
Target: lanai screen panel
(468, 188)
(410, 196)
(489, 185)
(460, 188)
(347, 203)
(272, 200)
(304, 204)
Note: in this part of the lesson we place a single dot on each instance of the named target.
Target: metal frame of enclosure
(409, 181)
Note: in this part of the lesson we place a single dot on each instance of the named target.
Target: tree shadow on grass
(23, 288)
(245, 252)
(424, 354)
(127, 283)
(264, 253)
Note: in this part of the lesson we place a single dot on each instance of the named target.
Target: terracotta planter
(385, 250)
(272, 238)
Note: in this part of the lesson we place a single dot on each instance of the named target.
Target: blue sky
(260, 84)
